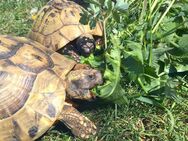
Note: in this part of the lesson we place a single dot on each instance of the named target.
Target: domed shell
(32, 91)
(58, 23)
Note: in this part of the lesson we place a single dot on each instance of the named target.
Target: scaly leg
(79, 125)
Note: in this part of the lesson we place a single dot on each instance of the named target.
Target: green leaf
(132, 66)
(109, 5)
(135, 49)
(148, 100)
(84, 18)
(149, 83)
(150, 71)
(95, 9)
(94, 61)
(183, 43)
(133, 60)
(159, 54)
(116, 16)
(92, 24)
(112, 89)
(121, 5)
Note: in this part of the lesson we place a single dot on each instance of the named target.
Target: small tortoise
(34, 83)
(58, 23)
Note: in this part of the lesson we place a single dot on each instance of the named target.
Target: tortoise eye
(91, 77)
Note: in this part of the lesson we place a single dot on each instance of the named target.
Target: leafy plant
(145, 43)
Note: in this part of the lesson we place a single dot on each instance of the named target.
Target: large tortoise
(58, 23)
(34, 84)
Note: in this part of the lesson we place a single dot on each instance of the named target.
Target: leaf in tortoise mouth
(112, 89)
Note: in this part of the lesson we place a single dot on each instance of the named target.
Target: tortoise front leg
(79, 125)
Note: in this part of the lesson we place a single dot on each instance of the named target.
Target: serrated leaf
(132, 65)
(159, 54)
(150, 71)
(112, 89)
(134, 50)
(133, 60)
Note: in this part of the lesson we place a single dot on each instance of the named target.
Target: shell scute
(58, 23)
(8, 49)
(32, 59)
(32, 92)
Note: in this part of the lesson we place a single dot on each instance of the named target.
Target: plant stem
(151, 50)
(104, 30)
(144, 9)
(160, 20)
(174, 44)
(142, 85)
(153, 6)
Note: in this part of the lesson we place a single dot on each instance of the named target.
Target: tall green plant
(145, 46)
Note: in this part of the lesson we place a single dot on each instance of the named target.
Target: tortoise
(34, 84)
(58, 23)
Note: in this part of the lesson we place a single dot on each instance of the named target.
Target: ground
(135, 121)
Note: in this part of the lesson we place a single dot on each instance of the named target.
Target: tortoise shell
(29, 104)
(58, 23)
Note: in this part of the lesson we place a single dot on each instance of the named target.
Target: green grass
(135, 121)
(15, 18)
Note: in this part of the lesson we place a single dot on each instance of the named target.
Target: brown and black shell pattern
(58, 23)
(32, 91)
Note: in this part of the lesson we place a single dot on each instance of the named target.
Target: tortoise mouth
(93, 96)
(90, 96)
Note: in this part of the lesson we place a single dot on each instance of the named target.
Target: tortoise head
(85, 44)
(79, 82)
